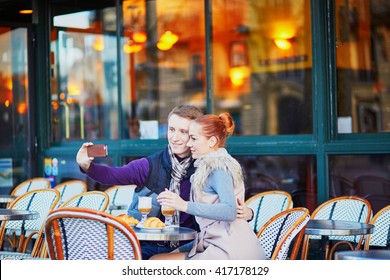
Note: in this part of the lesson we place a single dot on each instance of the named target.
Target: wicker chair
(31, 184)
(19, 233)
(120, 198)
(381, 235)
(85, 234)
(278, 233)
(343, 208)
(95, 200)
(265, 205)
(70, 188)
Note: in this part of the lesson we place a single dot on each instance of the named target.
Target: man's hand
(243, 211)
(82, 157)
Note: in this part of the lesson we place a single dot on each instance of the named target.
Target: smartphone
(99, 150)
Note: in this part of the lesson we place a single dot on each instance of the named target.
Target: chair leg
(329, 257)
(305, 247)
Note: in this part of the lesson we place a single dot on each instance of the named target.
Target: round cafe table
(6, 198)
(166, 234)
(326, 228)
(363, 255)
(10, 215)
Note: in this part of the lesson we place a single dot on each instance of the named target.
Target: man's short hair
(186, 111)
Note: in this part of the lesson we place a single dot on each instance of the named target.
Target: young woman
(217, 185)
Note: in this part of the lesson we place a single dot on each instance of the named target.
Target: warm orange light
(62, 95)
(26, 12)
(133, 48)
(73, 90)
(163, 46)
(22, 108)
(6, 103)
(55, 105)
(99, 43)
(167, 40)
(283, 44)
(139, 37)
(238, 75)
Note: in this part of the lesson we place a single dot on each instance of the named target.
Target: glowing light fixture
(26, 12)
(283, 43)
(98, 44)
(238, 74)
(167, 40)
(139, 37)
(132, 48)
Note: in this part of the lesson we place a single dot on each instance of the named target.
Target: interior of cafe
(307, 83)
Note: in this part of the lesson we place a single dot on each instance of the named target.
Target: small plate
(170, 228)
(148, 228)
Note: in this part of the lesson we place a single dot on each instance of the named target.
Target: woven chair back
(278, 233)
(85, 234)
(265, 205)
(381, 235)
(31, 184)
(120, 197)
(70, 188)
(95, 200)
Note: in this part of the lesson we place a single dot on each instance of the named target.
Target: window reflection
(294, 174)
(84, 83)
(262, 65)
(163, 63)
(363, 64)
(362, 175)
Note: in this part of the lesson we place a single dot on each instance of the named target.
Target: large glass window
(262, 65)
(366, 176)
(84, 74)
(163, 63)
(363, 66)
(293, 174)
(14, 107)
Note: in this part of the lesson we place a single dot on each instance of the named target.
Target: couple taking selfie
(195, 175)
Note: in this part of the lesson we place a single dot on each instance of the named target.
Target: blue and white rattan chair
(85, 234)
(19, 233)
(381, 235)
(95, 200)
(343, 208)
(70, 188)
(265, 205)
(120, 198)
(31, 184)
(278, 233)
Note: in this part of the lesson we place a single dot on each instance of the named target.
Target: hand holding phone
(99, 150)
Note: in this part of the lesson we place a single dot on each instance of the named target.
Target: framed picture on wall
(369, 117)
(238, 54)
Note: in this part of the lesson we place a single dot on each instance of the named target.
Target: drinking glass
(168, 212)
(144, 207)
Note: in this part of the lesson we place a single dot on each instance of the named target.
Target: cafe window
(84, 74)
(366, 176)
(262, 66)
(293, 174)
(363, 65)
(163, 50)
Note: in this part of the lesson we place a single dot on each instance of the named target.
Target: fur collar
(205, 165)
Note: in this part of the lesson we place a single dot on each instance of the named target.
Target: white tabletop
(332, 227)
(11, 214)
(363, 255)
(171, 234)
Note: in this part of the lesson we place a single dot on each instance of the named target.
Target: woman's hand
(171, 199)
(82, 157)
(243, 211)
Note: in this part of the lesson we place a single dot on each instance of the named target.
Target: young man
(170, 168)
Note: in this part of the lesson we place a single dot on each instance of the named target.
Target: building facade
(307, 83)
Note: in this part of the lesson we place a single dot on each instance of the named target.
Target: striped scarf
(179, 170)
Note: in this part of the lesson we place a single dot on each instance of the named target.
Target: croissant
(153, 222)
(128, 219)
